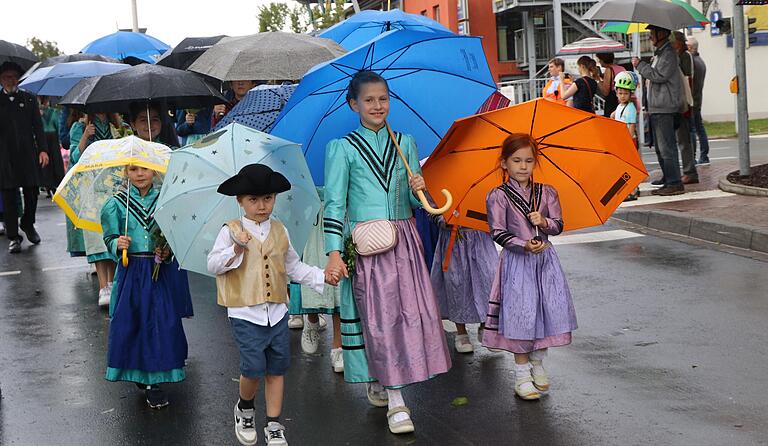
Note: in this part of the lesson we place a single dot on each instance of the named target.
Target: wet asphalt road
(672, 350)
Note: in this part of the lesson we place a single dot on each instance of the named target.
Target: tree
(297, 24)
(272, 17)
(43, 49)
(328, 14)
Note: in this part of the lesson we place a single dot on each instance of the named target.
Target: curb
(709, 229)
(741, 189)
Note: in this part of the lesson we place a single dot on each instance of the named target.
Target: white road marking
(61, 224)
(653, 199)
(57, 268)
(719, 158)
(594, 237)
(10, 273)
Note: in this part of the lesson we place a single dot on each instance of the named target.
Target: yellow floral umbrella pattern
(100, 173)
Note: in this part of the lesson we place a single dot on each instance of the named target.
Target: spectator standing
(697, 124)
(687, 152)
(665, 100)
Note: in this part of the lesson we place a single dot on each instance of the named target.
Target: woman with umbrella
(367, 185)
(147, 344)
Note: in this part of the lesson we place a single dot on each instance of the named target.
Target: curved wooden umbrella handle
(439, 211)
(125, 258)
(424, 202)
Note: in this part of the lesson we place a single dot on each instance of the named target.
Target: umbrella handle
(420, 194)
(125, 258)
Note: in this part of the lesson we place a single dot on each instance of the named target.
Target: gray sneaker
(245, 430)
(274, 433)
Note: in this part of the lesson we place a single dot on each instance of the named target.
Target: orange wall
(482, 22)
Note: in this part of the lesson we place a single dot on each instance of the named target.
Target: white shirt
(266, 314)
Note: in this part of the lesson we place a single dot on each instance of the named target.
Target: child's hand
(332, 278)
(244, 237)
(417, 183)
(123, 242)
(538, 220)
(163, 253)
(535, 246)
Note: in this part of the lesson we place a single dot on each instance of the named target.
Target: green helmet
(625, 80)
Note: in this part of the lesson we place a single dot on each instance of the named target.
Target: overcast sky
(75, 23)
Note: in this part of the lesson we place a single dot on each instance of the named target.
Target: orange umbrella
(590, 160)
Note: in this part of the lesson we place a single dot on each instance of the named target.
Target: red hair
(515, 142)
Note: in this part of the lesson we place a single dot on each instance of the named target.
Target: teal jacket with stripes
(141, 223)
(363, 177)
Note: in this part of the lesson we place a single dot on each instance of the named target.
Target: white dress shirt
(266, 314)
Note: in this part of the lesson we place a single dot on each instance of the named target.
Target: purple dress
(530, 306)
(462, 292)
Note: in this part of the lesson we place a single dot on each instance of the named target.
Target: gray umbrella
(662, 13)
(273, 56)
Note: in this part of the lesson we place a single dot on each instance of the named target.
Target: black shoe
(669, 190)
(659, 182)
(156, 398)
(32, 235)
(15, 246)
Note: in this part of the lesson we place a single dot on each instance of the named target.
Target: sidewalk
(704, 211)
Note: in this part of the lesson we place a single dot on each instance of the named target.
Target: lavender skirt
(463, 291)
(400, 318)
(530, 307)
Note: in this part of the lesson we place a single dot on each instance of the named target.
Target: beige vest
(261, 276)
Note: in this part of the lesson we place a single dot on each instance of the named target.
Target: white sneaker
(463, 344)
(295, 321)
(310, 339)
(104, 295)
(524, 387)
(244, 427)
(337, 360)
(274, 433)
(323, 322)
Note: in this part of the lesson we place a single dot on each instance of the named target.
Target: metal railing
(523, 90)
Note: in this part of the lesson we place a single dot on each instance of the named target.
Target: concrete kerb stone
(741, 189)
(708, 229)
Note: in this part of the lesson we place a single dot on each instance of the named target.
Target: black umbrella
(187, 51)
(64, 58)
(10, 52)
(142, 83)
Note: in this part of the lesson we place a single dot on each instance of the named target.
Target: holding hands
(163, 253)
(335, 269)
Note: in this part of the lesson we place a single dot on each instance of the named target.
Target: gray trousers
(687, 151)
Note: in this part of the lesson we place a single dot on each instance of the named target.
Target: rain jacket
(363, 176)
(665, 89)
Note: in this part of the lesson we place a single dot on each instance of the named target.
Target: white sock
(538, 355)
(522, 370)
(396, 400)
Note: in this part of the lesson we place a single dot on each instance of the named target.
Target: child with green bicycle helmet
(626, 83)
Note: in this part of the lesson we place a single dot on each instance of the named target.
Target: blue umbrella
(58, 79)
(366, 25)
(125, 44)
(434, 79)
(189, 210)
(260, 107)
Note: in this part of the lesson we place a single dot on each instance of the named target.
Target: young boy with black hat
(253, 260)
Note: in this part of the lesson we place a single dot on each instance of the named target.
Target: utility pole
(742, 114)
(557, 14)
(135, 15)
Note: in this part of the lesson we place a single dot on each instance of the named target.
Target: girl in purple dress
(530, 307)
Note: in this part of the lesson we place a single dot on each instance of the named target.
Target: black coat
(21, 140)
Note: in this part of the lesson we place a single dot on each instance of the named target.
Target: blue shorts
(263, 350)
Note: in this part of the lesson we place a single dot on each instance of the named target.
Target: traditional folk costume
(530, 304)
(390, 321)
(147, 344)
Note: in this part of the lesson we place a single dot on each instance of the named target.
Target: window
(436, 13)
(462, 14)
(424, 12)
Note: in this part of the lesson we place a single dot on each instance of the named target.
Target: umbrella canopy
(125, 44)
(365, 25)
(590, 160)
(11, 52)
(100, 173)
(433, 79)
(189, 210)
(58, 79)
(591, 45)
(260, 107)
(65, 58)
(169, 86)
(272, 56)
(660, 13)
(187, 51)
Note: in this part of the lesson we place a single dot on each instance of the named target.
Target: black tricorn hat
(255, 179)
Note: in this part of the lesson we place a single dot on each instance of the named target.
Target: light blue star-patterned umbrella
(260, 107)
(189, 210)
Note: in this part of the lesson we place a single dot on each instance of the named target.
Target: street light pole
(135, 15)
(742, 114)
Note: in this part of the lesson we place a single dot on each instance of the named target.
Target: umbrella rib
(175, 197)
(578, 149)
(213, 208)
(541, 138)
(395, 95)
(574, 182)
(328, 113)
(476, 149)
(472, 186)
